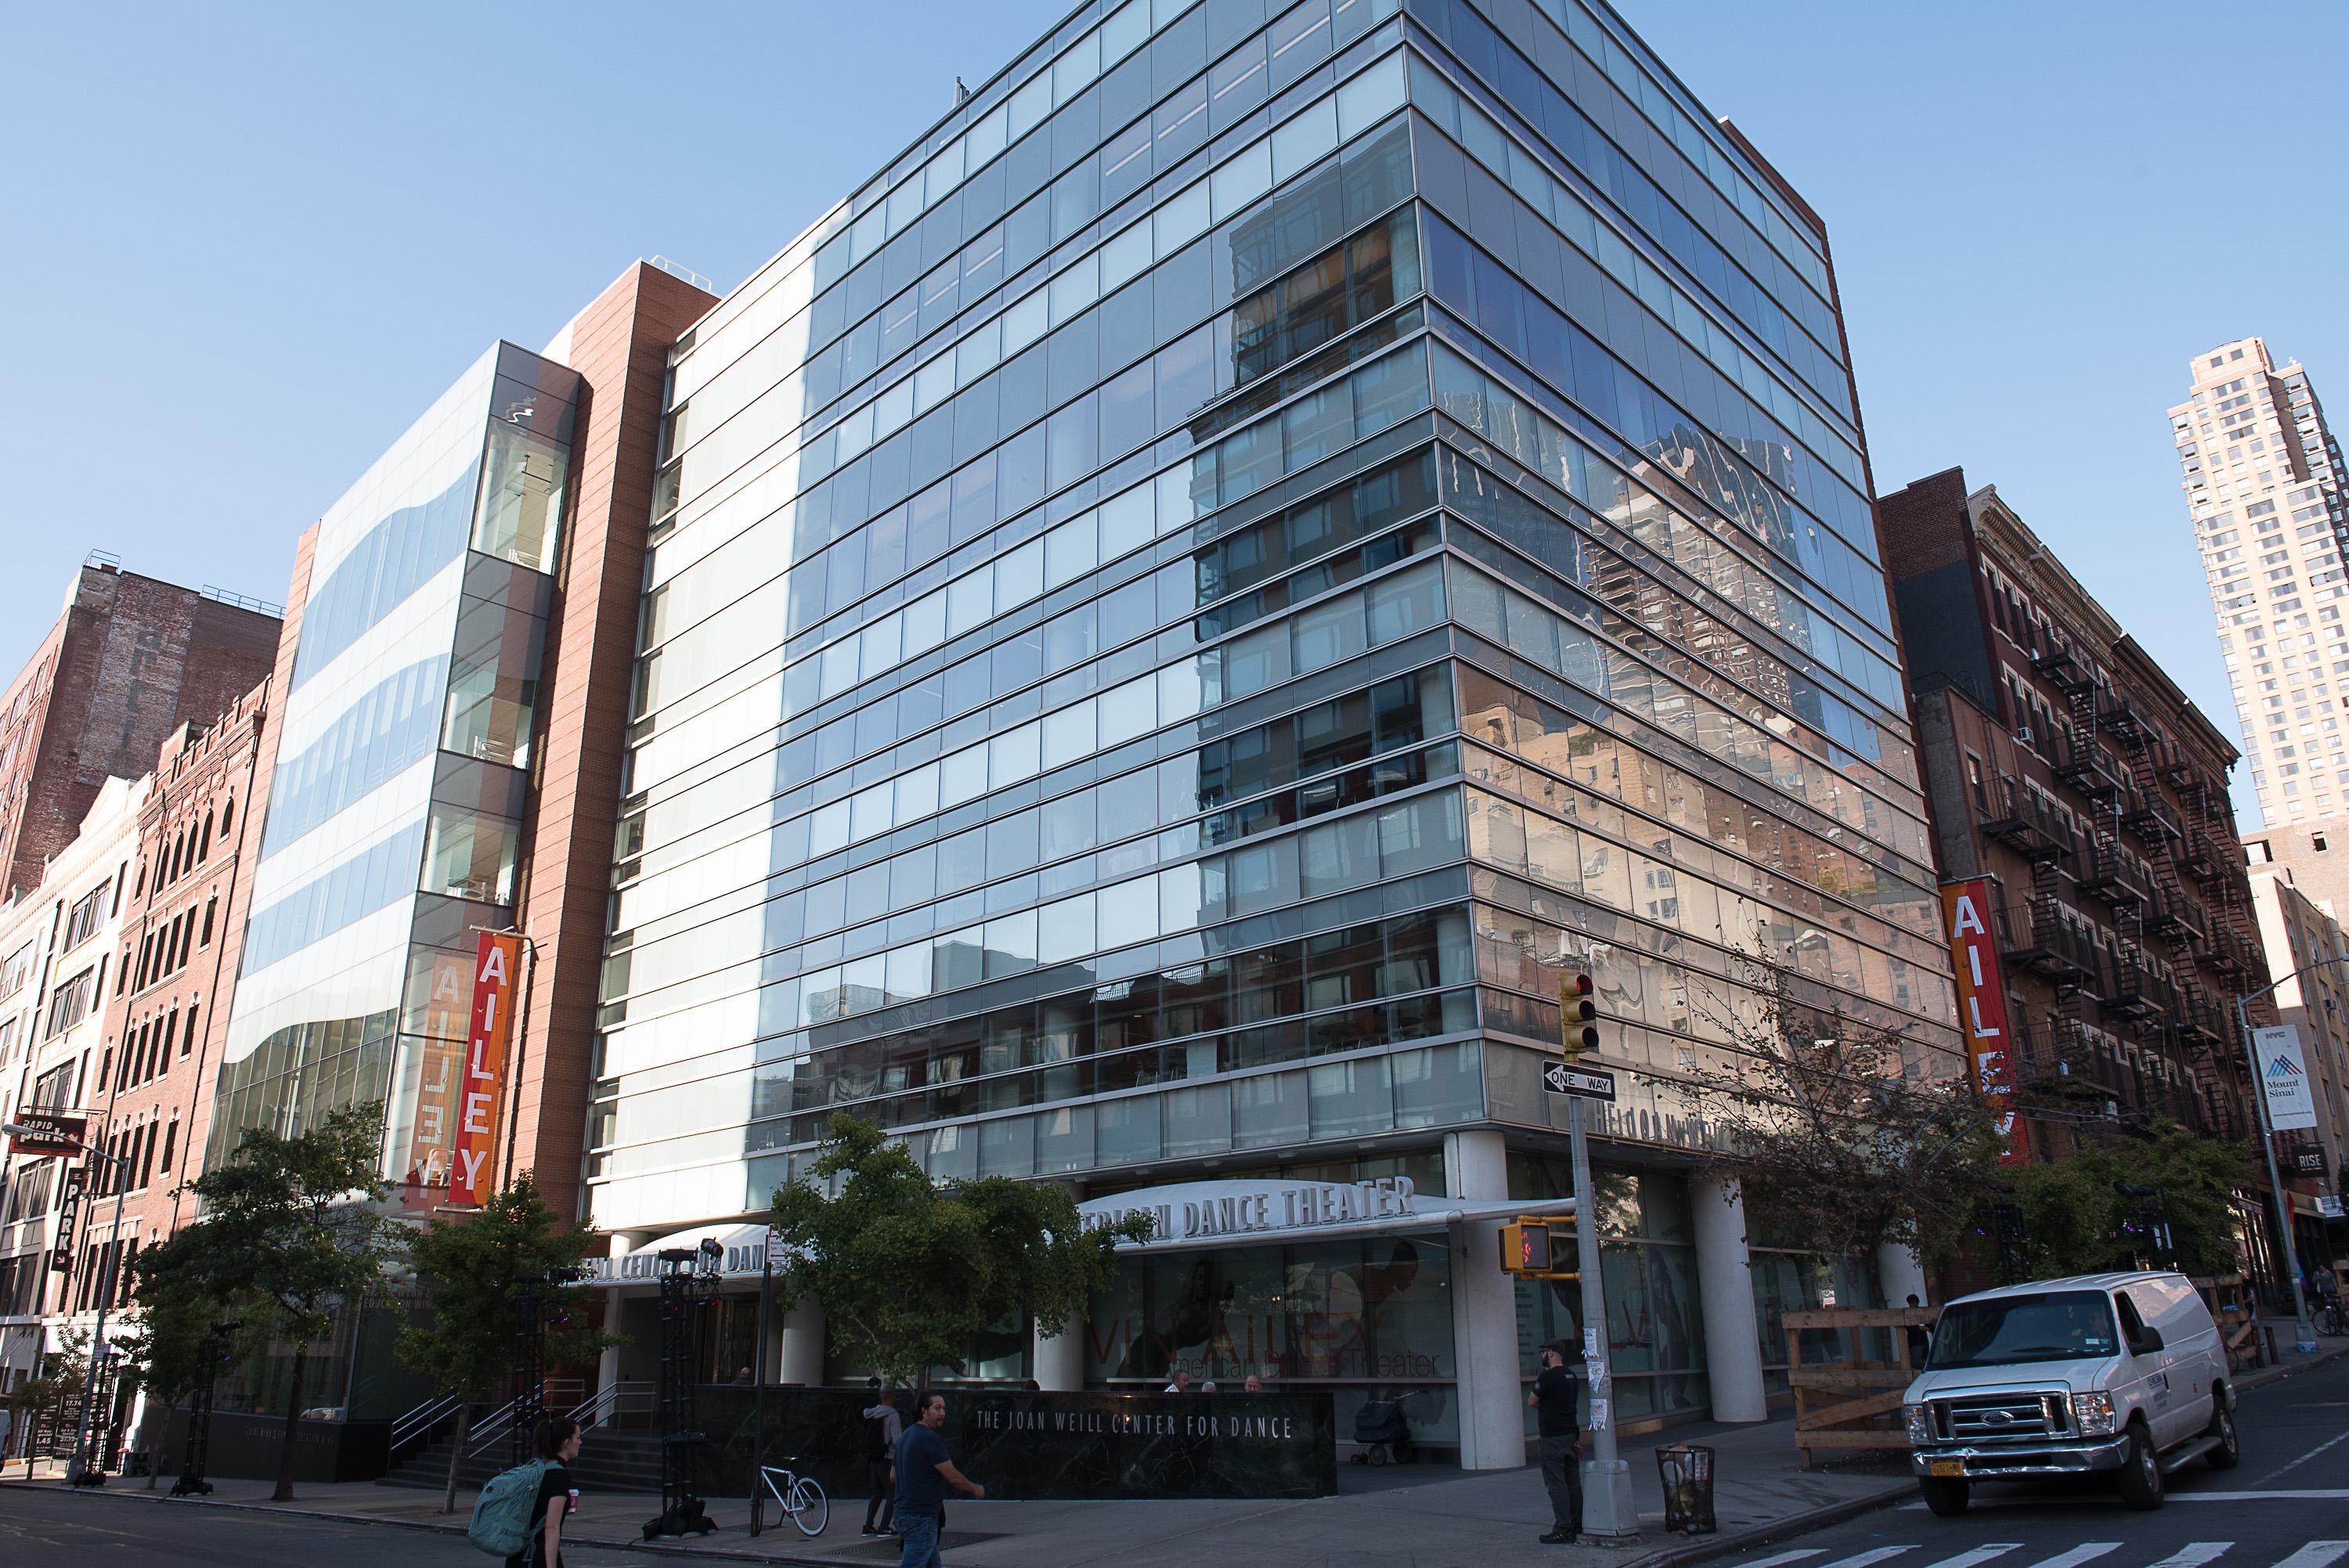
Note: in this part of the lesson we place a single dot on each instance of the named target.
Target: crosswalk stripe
(2193, 1554)
(1990, 1548)
(2087, 1551)
(1868, 1559)
(1784, 1557)
(2316, 1554)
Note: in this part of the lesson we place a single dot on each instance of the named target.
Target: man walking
(924, 1470)
(1561, 1444)
(882, 1428)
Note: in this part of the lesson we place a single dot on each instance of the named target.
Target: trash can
(1687, 1472)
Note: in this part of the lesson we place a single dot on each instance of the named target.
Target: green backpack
(502, 1524)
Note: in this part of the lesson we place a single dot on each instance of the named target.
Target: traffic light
(1538, 1249)
(1577, 1005)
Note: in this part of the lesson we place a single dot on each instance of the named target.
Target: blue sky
(248, 244)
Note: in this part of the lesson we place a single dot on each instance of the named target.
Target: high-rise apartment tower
(2264, 482)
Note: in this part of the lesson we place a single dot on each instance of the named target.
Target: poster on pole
(484, 1085)
(2284, 1078)
(1982, 1007)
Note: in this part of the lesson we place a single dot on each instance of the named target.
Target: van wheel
(2141, 1473)
(1945, 1495)
(2229, 1451)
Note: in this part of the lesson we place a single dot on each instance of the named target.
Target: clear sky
(245, 245)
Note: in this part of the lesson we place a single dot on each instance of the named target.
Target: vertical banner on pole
(2283, 1079)
(484, 1084)
(1982, 1007)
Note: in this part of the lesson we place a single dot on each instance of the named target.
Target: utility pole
(1610, 1517)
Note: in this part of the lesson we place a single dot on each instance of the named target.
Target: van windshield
(2061, 1326)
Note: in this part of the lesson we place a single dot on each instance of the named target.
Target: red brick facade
(129, 661)
(200, 828)
(620, 345)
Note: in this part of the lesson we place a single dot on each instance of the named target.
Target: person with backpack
(882, 1427)
(519, 1515)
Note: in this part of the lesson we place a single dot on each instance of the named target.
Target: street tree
(476, 1270)
(168, 1348)
(291, 1232)
(910, 1273)
(64, 1378)
(2076, 1219)
(1838, 1139)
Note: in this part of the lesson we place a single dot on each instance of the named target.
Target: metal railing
(501, 1420)
(420, 1422)
(614, 1404)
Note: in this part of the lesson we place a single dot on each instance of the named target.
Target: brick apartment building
(176, 961)
(129, 661)
(2064, 766)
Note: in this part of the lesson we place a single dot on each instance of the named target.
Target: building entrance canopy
(741, 1249)
(1187, 1215)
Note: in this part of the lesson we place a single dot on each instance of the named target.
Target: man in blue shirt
(924, 1473)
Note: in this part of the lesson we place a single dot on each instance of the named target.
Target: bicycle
(2328, 1318)
(800, 1498)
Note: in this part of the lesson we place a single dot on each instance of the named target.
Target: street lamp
(76, 1470)
(2304, 1332)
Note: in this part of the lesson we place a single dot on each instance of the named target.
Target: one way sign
(1559, 1079)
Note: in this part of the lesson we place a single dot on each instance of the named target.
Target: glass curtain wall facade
(1180, 608)
(396, 806)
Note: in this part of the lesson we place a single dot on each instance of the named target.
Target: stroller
(1380, 1428)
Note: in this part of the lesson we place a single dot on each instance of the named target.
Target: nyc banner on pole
(1982, 1007)
(482, 1087)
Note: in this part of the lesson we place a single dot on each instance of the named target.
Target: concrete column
(1483, 1310)
(801, 1357)
(1732, 1344)
(608, 1364)
(1060, 1360)
(1901, 1276)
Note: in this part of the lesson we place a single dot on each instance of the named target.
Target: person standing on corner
(556, 1441)
(885, 1426)
(1561, 1444)
(924, 1470)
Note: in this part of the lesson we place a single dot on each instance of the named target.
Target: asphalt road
(39, 1527)
(2286, 1506)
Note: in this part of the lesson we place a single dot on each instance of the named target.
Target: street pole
(77, 1471)
(1610, 1518)
(759, 1385)
(2304, 1332)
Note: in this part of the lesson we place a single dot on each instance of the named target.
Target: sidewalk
(1409, 1516)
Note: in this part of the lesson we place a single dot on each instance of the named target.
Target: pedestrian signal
(1538, 1249)
(1578, 1004)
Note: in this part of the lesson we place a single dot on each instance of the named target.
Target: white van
(2063, 1377)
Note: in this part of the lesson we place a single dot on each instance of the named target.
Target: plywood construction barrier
(2229, 1299)
(1851, 1401)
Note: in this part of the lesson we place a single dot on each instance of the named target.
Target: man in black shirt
(1561, 1444)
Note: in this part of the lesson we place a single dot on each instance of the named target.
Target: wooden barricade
(1854, 1403)
(2227, 1298)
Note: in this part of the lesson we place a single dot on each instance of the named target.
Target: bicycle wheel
(809, 1507)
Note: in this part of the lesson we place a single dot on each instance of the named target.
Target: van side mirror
(2148, 1341)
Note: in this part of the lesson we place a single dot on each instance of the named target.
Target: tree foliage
(467, 1266)
(910, 1273)
(2076, 1221)
(65, 1375)
(1836, 1142)
(291, 1231)
(167, 1346)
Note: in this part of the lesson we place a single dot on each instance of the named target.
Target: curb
(655, 1548)
(1708, 1547)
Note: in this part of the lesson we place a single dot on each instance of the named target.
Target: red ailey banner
(482, 1087)
(1981, 1007)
